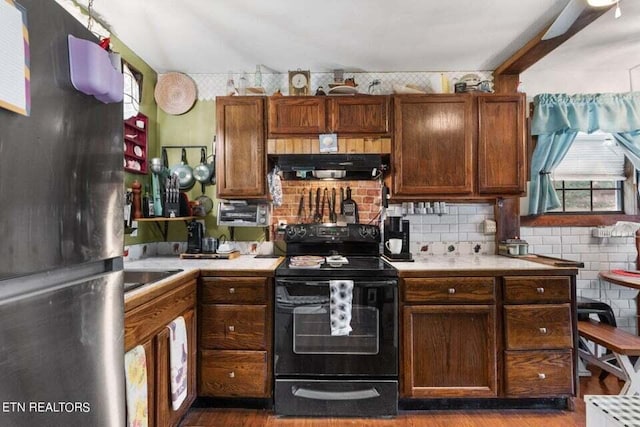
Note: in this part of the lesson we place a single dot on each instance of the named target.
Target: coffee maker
(194, 237)
(397, 228)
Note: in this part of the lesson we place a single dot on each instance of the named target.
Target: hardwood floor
(209, 417)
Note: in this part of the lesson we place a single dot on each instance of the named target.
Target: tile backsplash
(458, 232)
(597, 254)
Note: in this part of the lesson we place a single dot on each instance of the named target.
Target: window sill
(575, 220)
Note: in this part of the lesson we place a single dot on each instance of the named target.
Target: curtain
(557, 118)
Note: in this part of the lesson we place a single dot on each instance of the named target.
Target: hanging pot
(202, 172)
(183, 171)
(205, 201)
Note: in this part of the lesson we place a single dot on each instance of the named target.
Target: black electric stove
(321, 373)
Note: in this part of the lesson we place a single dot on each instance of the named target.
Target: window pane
(577, 200)
(557, 185)
(577, 184)
(606, 200)
(607, 184)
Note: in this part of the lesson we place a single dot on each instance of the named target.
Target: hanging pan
(184, 173)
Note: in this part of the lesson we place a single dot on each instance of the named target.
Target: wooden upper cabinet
(359, 114)
(241, 159)
(433, 145)
(501, 144)
(297, 115)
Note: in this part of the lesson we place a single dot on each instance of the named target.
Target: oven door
(305, 346)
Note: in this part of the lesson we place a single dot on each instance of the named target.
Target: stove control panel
(332, 233)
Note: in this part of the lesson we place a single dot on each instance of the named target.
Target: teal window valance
(557, 119)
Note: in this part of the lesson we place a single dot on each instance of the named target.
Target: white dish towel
(340, 304)
(178, 361)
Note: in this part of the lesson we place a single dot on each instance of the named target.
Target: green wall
(196, 127)
(149, 108)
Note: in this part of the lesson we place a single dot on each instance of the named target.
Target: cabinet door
(433, 145)
(359, 115)
(241, 159)
(165, 414)
(297, 115)
(449, 351)
(501, 144)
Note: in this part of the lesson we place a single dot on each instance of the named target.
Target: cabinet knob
(232, 328)
(232, 374)
(543, 330)
(541, 376)
(232, 290)
(452, 290)
(540, 290)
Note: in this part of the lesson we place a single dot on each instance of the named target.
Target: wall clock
(299, 82)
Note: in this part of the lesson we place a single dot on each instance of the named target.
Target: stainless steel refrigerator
(61, 240)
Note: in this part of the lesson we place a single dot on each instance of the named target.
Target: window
(590, 178)
(132, 90)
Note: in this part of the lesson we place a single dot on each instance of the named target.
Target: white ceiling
(216, 36)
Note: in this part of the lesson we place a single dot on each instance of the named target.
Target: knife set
(345, 213)
(176, 203)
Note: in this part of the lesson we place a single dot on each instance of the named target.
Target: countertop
(477, 264)
(243, 262)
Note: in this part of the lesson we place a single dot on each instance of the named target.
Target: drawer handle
(452, 290)
(232, 290)
(232, 374)
(540, 290)
(541, 376)
(232, 328)
(543, 330)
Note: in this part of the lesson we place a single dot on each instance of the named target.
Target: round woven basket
(175, 93)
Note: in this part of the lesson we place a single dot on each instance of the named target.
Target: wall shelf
(164, 228)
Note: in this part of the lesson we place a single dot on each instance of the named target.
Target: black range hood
(330, 166)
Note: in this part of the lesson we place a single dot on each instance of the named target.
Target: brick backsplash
(367, 195)
(597, 254)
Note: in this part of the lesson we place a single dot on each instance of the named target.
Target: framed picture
(328, 142)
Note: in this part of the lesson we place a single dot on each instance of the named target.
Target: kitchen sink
(135, 278)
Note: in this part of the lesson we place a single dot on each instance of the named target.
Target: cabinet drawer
(233, 327)
(234, 374)
(533, 290)
(450, 290)
(247, 290)
(538, 373)
(529, 327)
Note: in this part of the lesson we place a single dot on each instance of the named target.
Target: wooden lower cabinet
(538, 373)
(227, 373)
(449, 351)
(488, 337)
(235, 337)
(146, 325)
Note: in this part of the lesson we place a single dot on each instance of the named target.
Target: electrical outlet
(489, 226)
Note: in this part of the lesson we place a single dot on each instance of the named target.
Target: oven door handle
(308, 393)
(356, 283)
